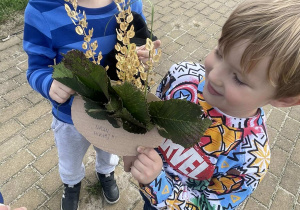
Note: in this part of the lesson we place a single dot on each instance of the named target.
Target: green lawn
(9, 7)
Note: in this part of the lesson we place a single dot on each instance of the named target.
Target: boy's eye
(236, 79)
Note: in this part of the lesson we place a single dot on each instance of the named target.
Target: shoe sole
(108, 201)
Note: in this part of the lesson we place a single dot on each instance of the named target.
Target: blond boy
(256, 63)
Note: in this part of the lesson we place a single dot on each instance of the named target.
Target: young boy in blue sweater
(49, 33)
(256, 62)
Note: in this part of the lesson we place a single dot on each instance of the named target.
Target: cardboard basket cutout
(103, 135)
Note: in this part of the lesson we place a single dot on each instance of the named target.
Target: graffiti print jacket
(223, 168)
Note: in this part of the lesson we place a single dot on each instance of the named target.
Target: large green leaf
(115, 103)
(130, 123)
(179, 120)
(97, 110)
(94, 109)
(65, 76)
(134, 101)
(85, 77)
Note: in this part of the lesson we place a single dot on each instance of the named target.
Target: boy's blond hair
(273, 29)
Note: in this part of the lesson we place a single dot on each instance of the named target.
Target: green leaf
(125, 115)
(130, 123)
(132, 128)
(83, 76)
(134, 101)
(179, 120)
(115, 103)
(65, 76)
(60, 71)
(96, 110)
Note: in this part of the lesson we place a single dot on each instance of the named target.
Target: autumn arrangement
(125, 103)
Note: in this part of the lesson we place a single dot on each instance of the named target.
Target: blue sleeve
(37, 43)
(1, 198)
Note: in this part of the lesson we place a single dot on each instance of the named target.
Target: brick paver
(28, 156)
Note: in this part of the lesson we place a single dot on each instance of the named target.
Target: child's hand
(147, 166)
(59, 92)
(143, 54)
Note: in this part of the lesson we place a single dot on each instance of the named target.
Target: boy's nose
(215, 77)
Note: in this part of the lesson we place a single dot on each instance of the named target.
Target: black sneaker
(109, 187)
(70, 197)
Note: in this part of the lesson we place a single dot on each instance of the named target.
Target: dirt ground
(13, 26)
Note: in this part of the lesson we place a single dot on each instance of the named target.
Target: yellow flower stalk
(81, 26)
(129, 68)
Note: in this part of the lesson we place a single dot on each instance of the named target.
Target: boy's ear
(286, 102)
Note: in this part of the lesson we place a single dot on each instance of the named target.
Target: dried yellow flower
(143, 76)
(79, 30)
(67, 8)
(159, 52)
(123, 26)
(141, 69)
(129, 18)
(72, 14)
(91, 31)
(119, 7)
(83, 23)
(156, 58)
(94, 45)
(126, 41)
(123, 50)
(136, 63)
(118, 47)
(84, 45)
(149, 44)
(138, 83)
(122, 14)
(128, 11)
(87, 38)
(99, 57)
(89, 54)
(130, 34)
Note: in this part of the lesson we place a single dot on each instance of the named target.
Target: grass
(94, 189)
(9, 7)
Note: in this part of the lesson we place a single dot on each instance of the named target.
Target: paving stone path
(28, 157)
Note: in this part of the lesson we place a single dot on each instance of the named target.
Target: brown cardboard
(103, 135)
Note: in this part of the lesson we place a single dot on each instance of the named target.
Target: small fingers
(59, 96)
(59, 92)
(67, 89)
(157, 44)
(149, 152)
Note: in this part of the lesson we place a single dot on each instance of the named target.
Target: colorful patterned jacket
(223, 168)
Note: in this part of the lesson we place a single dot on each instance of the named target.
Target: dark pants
(147, 205)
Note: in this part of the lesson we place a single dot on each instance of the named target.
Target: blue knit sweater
(49, 33)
